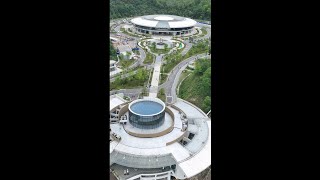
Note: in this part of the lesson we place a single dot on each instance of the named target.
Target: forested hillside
(196, 9)
(196, 88)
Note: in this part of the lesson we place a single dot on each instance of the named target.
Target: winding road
(172, 81)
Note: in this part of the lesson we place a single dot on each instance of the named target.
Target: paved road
(142, 56)
(180, 69)
(171, 84)
(187, 47)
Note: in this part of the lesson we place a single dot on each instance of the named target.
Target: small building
(112, 65)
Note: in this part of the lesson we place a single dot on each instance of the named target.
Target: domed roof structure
(164, 21)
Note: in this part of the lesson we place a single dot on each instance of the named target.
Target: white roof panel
(115, 101)
(182, 24)
(162, 21)
(144, 22)
(200, 161)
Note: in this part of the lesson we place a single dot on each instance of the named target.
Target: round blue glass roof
(146, 107)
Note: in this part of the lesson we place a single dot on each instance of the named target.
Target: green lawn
(171, 61)
(188, 90)
(160, 51)
(183, 75)
(126, 63)
(126, 84)
(136, 52)
(161, 95)
(199, 48)
(129, 82)
(149, 58)
(204, 32)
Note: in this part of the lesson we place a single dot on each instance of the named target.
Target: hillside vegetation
(196, 88)
(197, 9)
(113, 52)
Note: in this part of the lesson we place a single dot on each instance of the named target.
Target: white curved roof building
(163, 24)
(179, 148)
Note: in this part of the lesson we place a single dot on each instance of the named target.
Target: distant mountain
(196, 9)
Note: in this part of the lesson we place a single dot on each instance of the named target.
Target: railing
(152, 176)
(194, 107)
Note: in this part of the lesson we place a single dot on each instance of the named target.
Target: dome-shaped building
(163, 25)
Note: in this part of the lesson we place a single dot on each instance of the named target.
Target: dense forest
(196, 9)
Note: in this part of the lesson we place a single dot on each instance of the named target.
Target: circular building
(146, 114)
(145, 144)
(163, 25)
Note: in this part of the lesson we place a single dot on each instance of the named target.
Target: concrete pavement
(187, 48)
(155, 77)
(132, 93)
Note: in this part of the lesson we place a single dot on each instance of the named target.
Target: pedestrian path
(155, 77)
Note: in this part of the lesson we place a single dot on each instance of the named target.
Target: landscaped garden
(149, 58)
(135, 81)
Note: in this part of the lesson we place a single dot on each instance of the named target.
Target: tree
(207, 103)
(153, 46)
(118, 80)
(201, 66)
(139, 74)
(124, 80)
(205, 87)
(162, 92)
(113, 52)
(189, 8)
(121, 57)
